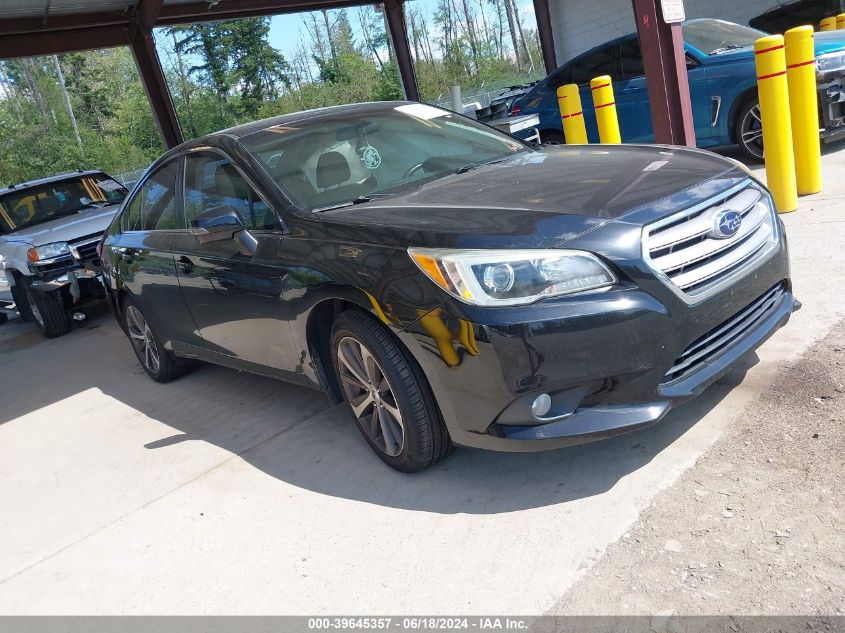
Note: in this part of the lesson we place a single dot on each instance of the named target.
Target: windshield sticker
(370, 157)
(84, 200)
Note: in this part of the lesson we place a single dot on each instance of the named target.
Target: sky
(286, 30)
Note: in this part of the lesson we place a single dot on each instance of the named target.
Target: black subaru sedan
(450, 283)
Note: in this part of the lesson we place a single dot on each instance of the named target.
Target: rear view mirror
(223, 223)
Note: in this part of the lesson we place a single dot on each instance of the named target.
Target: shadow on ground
(295, 436)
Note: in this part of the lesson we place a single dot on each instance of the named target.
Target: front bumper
(603, 357)
(831, 91)
(76, 286)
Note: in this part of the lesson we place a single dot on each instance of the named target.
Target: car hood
(539, 198)
(66, 229)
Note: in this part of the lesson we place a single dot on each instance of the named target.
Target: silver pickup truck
(50, 230)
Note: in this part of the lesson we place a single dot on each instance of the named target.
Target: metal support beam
(402, 48)
(143, 47)
(546, 34)
(664, 59)
(50, 42)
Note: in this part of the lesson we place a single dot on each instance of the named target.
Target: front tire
(749, 130)
(160, 364)
(19, 296)
(387, 394)
(48, 311)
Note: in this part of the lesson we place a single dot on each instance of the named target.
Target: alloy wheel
(751, 131)
(371, 396)
(142, 339)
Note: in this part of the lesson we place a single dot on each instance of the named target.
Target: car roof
(47, 180)
(629, 36)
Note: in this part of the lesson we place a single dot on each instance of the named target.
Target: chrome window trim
(753, 262)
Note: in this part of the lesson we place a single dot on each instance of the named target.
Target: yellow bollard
(605, 105)
(840, 21)
(804, 108)
(569, 102)
(774, 114)
(828, 24)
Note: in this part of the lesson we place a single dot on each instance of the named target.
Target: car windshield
(28, 206)
(717, 36)
(335, 160)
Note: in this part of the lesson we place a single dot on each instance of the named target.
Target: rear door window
(631, 59)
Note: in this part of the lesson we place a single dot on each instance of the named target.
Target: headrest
(332, 170)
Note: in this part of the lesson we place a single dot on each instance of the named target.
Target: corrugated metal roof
(37, 8)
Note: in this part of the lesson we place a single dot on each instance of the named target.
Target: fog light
(541, 405)
(79, 316)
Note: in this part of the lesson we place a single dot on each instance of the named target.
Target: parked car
(501, 104)
(722, 81)
(451, 283)
(49, 232)
(783, 17)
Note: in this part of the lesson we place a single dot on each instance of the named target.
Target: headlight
(830, 61)
(47, 251)
(511, 277)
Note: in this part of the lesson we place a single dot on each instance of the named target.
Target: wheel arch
(736, 107)
(318, 328)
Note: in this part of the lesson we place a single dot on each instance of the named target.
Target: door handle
(632, 89)
(186, 266)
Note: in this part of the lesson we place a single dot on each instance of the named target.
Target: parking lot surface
(228, 493)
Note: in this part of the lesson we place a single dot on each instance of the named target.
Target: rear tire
(396, 410)
(160, 364)
(48, 311)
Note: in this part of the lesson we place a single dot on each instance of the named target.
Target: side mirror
(218, 223)
(223, 223)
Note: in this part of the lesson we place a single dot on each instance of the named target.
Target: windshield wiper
(474, 165)
(467, 167)
(357, 200)
(729, 47)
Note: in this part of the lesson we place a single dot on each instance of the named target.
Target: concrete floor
(228, 493)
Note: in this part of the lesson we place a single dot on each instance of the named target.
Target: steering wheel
(413, 168)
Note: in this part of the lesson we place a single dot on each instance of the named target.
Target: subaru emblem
(726, 224)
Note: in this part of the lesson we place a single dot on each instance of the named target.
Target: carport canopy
(45, 27)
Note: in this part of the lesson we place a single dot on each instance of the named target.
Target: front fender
(13, 257)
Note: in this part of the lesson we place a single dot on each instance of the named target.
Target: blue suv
(722, 80)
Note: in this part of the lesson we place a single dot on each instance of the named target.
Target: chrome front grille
(85, 249)
(716, 340)
(690, 251)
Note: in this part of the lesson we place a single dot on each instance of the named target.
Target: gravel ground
(756, 526)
